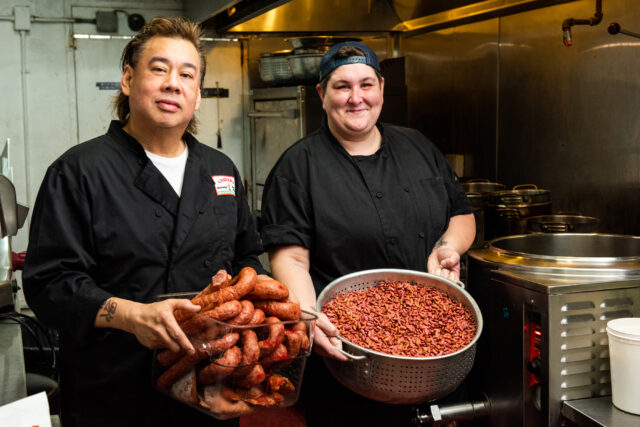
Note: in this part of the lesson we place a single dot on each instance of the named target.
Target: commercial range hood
(407, 17)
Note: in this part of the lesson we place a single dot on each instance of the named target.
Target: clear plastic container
(217, 381)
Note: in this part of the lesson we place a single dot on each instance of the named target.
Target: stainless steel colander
(399, 379)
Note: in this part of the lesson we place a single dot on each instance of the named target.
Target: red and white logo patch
(225, 185)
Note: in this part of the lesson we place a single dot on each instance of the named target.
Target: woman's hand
(325, 342)
(444, 261)
(290, 265)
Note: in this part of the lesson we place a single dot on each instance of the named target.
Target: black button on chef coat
(353, 213)
(107, 223)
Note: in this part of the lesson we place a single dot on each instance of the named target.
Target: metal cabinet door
(276, 125)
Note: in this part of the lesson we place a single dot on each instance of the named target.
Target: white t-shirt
(171, 167)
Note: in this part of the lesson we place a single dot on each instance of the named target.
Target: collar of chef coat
(383, 150)
(197, 187)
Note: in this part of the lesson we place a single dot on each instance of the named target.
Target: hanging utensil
(218, 108)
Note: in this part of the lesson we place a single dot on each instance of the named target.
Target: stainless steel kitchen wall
(452, 79)
(524, 108)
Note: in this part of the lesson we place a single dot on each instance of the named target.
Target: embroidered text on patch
(225, 185)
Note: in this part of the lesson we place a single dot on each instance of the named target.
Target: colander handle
(349, 355)
(461, 284)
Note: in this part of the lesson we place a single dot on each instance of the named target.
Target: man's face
(164, 87)
(353, 100)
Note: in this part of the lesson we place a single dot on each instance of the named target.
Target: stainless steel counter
(12, 376)
(598, 412)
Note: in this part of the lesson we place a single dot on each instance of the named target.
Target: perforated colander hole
(387, 389)
(359, 286)
(412, 388)
(385, 384)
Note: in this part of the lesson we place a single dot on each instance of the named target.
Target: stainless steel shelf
(598, 412)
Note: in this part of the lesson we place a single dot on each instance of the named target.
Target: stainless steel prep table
(598, 412)
(12, 379)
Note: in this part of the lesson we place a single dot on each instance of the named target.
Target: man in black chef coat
(141, 211)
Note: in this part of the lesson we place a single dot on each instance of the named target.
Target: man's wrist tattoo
(109, 308)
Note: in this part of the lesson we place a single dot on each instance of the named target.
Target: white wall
(64, 105)
(224, 66)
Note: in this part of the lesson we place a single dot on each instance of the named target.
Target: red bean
(402, 319)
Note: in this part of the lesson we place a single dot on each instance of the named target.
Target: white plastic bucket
(624, 354)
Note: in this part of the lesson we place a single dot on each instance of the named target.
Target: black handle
(614, 28)
(535, 366)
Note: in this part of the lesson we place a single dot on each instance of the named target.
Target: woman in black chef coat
(359, 194)
(141, 211)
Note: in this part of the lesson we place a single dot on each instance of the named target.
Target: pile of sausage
(402, 319)
(244, 331)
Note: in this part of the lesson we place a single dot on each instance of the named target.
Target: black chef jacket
(354, 213)
(107, 223)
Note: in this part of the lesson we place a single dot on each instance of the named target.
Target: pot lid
(589, 254)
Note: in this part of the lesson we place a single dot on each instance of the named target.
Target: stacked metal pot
(300, 65)
(507, 210)
(274, 67)
(567, 222)
(477, 191)
(524, 209)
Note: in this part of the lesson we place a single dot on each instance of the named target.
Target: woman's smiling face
(352, 100)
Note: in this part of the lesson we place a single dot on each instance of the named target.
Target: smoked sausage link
(219, 281)
(179, 369)
(221, 367)
(276, 335)
(250, 352)
(240, 285)
(223, 344)
(282, 310)
(301, 329)
(258, 317)
(250, 347)
(255, 376)
(224, 311)
(293, 342)
(202, 320)
(269, 289)
(279, 355)
(245, 315)
(168, 357)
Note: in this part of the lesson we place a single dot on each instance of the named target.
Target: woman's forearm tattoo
(440, 242)
(109, 308)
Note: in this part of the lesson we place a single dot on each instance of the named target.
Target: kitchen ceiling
(407, 17)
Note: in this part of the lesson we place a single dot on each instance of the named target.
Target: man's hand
(154, 324)
(444, 261)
